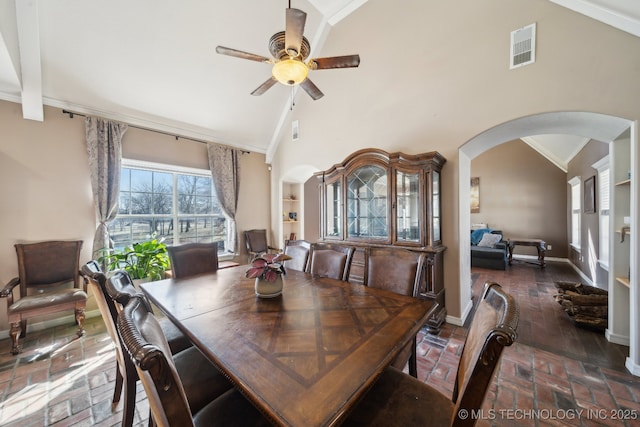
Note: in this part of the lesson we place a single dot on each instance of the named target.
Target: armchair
(44, 269)
(256, 242)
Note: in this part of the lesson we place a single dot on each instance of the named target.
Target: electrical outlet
(548, 247)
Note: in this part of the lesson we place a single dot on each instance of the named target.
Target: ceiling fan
(290, 50)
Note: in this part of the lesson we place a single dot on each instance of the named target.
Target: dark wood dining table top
(303, 358)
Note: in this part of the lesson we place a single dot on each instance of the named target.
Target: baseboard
(582, 275)
(459, 321)
(59, 321)
(632, 367)
(616, 338)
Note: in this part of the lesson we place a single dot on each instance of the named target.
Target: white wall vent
(523, 46)
(295, 130)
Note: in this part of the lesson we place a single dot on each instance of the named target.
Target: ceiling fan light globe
(290, 72)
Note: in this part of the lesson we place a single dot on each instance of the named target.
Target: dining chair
(333, 261)
(45, 269)
(202, 380)
(399, 271)
(256, 242)
(397, 399)
(120, 288)
(298, 250)
(168, 397)
(126, 375)
(193, 258)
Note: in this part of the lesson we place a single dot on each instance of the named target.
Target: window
(177, 204)
(603, 210)
(575, 212)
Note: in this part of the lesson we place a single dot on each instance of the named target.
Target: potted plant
(143, 260)
(268, 270)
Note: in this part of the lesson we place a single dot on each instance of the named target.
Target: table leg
(510, 246)
(541, 251)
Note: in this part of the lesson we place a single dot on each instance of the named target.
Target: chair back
(193, 258)
(256, 241)
(333, 261)
(121, 289)
(493, 327)
(49, 264)
(97, 281)
(298, 250)
(395, 270)
(146, 344)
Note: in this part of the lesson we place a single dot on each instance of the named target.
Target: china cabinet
(375, 198)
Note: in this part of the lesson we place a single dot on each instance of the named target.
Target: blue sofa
(495, 258)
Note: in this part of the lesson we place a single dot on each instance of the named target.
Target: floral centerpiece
(268, 270)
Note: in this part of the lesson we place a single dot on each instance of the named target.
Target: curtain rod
(71, 114)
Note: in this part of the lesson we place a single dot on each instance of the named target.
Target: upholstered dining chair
(167, 394)
(120, 289)
(193, 258)
(400, 271)
(126, 375)
(298, 250)
(256, 242)
(202, 381)
(397, 399)
(333, 261)
(45, 269)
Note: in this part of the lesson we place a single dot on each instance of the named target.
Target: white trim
(583, 276)
(617, 339)
(603, 163)
(632, 367)
(459, 321)
(617, 19)
(163, 167)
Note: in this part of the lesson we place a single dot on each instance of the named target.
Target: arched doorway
(596, 126)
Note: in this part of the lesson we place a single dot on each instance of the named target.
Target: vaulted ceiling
(153, 64)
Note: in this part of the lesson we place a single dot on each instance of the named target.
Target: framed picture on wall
(475, 195)
(590, 195)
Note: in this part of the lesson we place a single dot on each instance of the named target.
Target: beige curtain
(224, 163)
(104, 145)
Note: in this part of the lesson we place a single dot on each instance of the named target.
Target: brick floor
(554, 375)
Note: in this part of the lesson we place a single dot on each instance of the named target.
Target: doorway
(596, 126)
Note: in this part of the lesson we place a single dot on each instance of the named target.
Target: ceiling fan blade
(293, 31)
(240, 54)
(347, 61)
(311, 89)
(264, 86)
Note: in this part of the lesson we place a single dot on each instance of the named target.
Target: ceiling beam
(29, 43)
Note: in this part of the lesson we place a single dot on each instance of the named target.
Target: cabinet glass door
(333, 209)
(408, 208)
(367, 209)
(435, 208)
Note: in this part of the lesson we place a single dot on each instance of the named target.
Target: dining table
(303, 358)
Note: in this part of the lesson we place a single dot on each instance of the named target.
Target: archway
(596, 126)
(291, 197)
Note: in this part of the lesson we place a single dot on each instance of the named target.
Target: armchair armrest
(7, 291)
(85, 281)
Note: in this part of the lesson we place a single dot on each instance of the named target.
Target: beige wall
(586, 259)
(46, 191)
(524, 195)
(461, 87)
